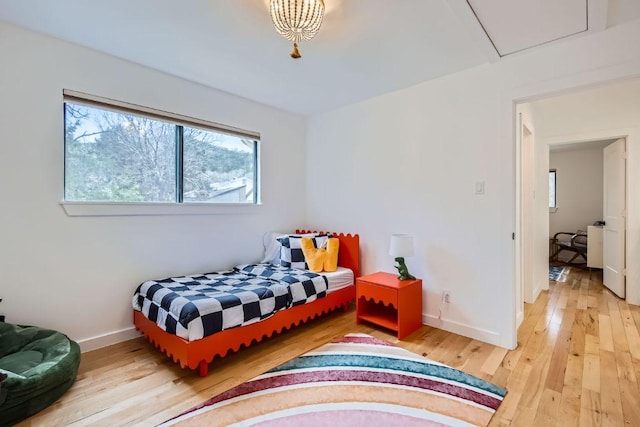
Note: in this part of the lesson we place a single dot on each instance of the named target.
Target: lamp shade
(297, 20)
(401, 245)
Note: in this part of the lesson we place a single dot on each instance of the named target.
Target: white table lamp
(401, 246)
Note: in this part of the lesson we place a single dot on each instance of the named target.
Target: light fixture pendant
(297, 20)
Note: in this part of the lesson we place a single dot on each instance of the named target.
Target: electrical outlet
(446, 296)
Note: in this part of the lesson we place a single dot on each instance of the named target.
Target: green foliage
(122, 157)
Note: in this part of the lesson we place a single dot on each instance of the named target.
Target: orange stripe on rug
(256, 404)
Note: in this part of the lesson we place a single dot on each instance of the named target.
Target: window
(553, 201)
(115, 152)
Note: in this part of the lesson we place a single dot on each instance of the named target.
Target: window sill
(156, 209)
(553, 210)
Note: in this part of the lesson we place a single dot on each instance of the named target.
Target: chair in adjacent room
(575, 243)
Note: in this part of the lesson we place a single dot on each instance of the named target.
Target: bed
(286, 297)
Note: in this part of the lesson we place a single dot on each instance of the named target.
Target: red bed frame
(198, 354)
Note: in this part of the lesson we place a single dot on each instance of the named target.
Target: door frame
(530, 290)
(510, 100)
(522, 242)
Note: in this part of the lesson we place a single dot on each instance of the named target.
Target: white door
(614, 217)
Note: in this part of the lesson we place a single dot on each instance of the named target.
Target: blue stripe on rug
(367, 361)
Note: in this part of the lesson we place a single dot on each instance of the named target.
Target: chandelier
(297, 20)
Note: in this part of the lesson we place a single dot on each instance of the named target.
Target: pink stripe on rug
(337, 379)
(356, 417)
(285, 379)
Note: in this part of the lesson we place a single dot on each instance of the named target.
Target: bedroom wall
(578, 189)
(77, 274)
(409, 162)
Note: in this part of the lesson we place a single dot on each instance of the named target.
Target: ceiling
(522, 29)
(365, 47)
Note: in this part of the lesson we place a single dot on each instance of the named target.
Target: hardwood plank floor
(578, 363)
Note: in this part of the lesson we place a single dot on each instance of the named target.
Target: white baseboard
(104, 340)
(462, 329)
(484, 335)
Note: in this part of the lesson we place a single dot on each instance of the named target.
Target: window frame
(554, 208)
(179, 207)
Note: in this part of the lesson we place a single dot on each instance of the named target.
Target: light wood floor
(577, 363)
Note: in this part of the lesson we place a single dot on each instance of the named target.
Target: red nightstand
(386, 301)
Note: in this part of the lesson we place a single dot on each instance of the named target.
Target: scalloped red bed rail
(198, 354)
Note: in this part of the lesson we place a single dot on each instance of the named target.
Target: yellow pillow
(321, 259)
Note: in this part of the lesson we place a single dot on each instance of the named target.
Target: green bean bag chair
(40, 366)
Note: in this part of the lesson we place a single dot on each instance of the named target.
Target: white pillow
(271, 247)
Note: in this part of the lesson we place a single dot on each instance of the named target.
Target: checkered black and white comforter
(193, 307)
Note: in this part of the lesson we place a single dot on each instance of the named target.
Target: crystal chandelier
(297, 20)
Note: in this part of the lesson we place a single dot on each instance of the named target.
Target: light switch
(479, 187)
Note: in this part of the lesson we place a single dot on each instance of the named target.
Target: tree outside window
(117, 156)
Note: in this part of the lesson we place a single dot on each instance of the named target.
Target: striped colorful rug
(356, 380)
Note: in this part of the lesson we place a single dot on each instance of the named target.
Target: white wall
(578, 189)
(403, 162)
(408, 162)
(77, 274)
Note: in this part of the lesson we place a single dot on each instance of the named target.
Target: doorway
(598, 113)
(583, 200)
